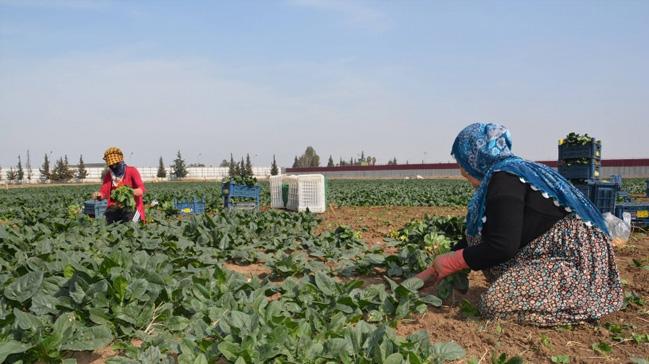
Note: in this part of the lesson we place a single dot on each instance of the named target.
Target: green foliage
(560, 359)
(602, 348)
(309, 159)
(178, 169)
(502, 359)
(399, 192)
(82, 173)
(274, 171)
(578, 139)
(162, 172)
(123, 197)
(71, 284)
(45, 168)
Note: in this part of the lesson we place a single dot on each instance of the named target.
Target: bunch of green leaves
(123, 196)
(577, 139)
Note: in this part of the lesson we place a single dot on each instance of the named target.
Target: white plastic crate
(292, 203)
(306, 191)
(276, 199)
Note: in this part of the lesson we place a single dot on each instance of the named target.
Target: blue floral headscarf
(483, 149)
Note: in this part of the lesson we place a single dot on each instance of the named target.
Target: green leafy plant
(503, 359)
(560, 359)
(602, 348)
(123, 197)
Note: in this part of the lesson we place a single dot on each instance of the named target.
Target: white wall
(149, 174)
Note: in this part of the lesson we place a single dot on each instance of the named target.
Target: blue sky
(391, 78)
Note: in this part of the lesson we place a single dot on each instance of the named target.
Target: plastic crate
(647, 190)
(639, 212)
(306, 191)
(605, 196)
(194, 207)
(591, 150)
(95, 208)
(232, 190)
(585, 188)
(580, 171)
(276, 195)
(602, 193)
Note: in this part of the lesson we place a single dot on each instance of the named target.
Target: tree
(11, 174)
(29, 168)
(82, 172)
(224, 163)
(68, 173)
(233, 167)
(243, 172)
(295, 163)
(20, 173)
(45, 169)
(61, 171)
(179, 170)
(274, 171)
(330, 163)
(0, 173)
(249, 171)
(162, 173)
(309, 159)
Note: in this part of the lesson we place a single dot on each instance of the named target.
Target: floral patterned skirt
(567, 275)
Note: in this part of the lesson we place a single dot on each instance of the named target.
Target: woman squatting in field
(544, 248)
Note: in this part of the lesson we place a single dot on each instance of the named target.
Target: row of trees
(61, 172)
(311, 159)
(179, 169)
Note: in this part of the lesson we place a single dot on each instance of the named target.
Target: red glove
(449, 263)
(443, 266)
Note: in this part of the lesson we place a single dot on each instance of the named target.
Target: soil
(484, 339)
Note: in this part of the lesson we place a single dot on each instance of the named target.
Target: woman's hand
(138, 192)
(443, 266)
(449, 263)
(96, 195)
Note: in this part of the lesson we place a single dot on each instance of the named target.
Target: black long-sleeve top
(516, 215)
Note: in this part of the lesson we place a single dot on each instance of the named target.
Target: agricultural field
(273, 286)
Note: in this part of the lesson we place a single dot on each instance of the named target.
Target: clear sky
(391, 78)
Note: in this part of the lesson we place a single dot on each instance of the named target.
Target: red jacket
(131, 179)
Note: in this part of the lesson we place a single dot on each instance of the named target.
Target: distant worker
(119, 174)
(544, 248)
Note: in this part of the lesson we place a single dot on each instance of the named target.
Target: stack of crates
(580, 162)
(299, 193)
(581, 165)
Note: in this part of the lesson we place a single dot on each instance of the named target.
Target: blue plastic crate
(605, 196)
(602, 193)
(232, 190)
(95, 208)
(585, 188)
(647, 190)
(580, 171)
(591, 150)
(639, 212)
(194, 207)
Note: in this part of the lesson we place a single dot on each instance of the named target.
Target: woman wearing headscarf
(542, 245)
(119, 174)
